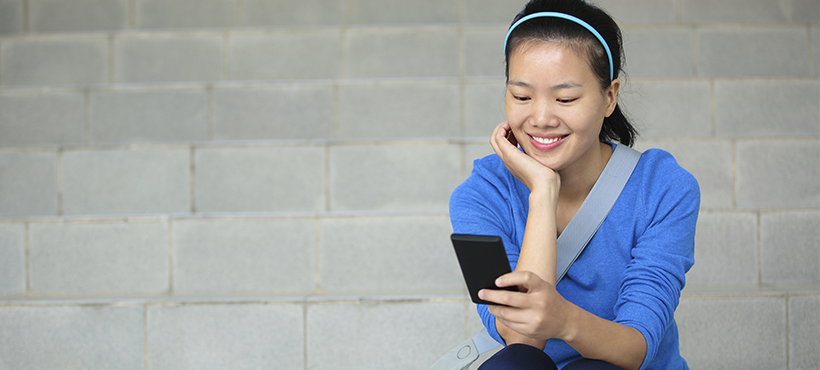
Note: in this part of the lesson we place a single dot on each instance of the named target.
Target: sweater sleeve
(480, 206)
(664, 252)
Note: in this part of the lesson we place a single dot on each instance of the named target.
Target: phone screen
(482, 260)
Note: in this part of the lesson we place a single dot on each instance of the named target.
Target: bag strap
(571, 243)
(596, 207)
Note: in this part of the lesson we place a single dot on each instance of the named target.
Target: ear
(611, 95)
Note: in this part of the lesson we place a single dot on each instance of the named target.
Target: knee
(519, 357)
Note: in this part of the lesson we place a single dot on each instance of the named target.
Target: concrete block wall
(264, 183)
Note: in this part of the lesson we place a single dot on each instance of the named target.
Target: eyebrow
(561, 86)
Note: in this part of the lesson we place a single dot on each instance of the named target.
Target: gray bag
(571, 243)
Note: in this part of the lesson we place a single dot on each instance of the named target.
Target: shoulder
(663, 187)
(658, 169)
(483, 202)
(488, 174)
(490, 166)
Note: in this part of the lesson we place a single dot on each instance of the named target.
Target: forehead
(544, 59)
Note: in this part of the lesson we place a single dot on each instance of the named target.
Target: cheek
(515, 121)
(591, 119)
(584, 122)
(512, 112)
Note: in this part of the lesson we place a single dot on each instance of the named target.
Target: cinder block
(725, 250)
(400, 11)
(99, 258)
(700, 11)
(286, 12)
(260, 179)
(393, 177)
(148, 115)
(28, 184)
(11, 17)
(807, 11)
(640, 11)
(382, 335)
(281, 112)
(54, 62)
(815, 50)
(778, 174)
(492, 11)
(752, 51)
(416, 110)
(126, 181)
(658, 52)
(225, 336)
(790, 247)
(804, 324)
(717, 333)
(72, 337)
(185, 13)
(45, 118)
(711, 162)
(244, 256)
(166, 59)
(401, 254)
(13, 264)
(484, 51)
(46, 16)
(483, 108)
(305, 55)
(767, 108)
(669, 109)
(401, 53)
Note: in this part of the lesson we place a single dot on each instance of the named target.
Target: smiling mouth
(544, 140)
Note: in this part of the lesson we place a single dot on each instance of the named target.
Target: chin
(550, 163)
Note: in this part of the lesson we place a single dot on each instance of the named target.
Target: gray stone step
(753, 328)
(49, 16)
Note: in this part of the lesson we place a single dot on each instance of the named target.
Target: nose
(543, 115)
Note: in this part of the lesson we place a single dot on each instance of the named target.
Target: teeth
(543, 140)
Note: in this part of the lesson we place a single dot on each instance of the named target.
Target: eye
(566, 101)
(521, 98)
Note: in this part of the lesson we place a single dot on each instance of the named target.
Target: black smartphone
(482, 260)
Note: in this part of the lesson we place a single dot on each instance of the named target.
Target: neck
(578, 180)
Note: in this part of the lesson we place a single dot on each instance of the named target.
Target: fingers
(499, 140)
(497, 296)
(524, 280)
(511, 309)
(511, 138)
(537, 311)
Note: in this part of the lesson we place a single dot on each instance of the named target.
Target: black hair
(616, 127)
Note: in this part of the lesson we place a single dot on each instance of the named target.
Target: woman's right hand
(530, 172)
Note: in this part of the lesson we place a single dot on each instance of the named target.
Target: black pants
(524, 357)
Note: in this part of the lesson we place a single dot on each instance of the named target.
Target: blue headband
(569, 18)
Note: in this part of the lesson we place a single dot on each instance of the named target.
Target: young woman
(615, 306)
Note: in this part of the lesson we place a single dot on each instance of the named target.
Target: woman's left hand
(536, 311)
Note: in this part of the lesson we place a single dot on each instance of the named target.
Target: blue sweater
(631, 272)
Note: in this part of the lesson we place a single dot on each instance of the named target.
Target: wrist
(572, 325)
(543, 196)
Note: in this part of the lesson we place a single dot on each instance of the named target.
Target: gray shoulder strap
(596, 207)
(464, 354)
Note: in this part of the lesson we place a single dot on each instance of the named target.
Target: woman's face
(555, 105)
